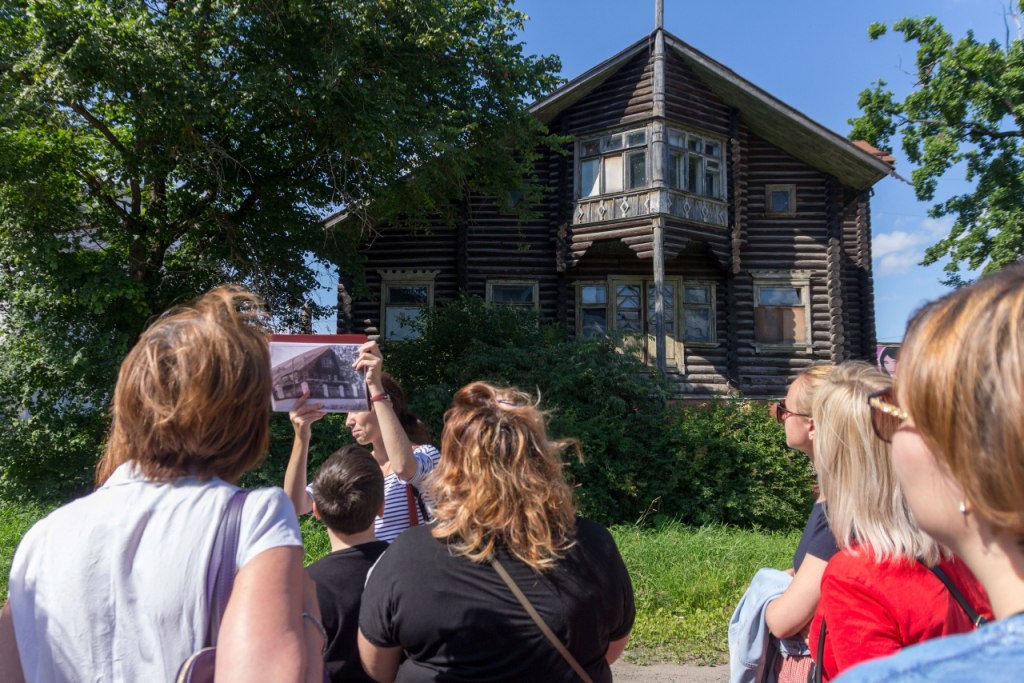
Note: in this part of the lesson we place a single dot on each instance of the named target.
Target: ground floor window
(404, 297)
(521, 294)
(625, 306)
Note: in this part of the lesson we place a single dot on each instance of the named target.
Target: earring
(963, 508)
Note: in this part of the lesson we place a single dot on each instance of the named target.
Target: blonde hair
(500, 480)
(193, 395)
(866, 505)
(809, 381)
(962, 381)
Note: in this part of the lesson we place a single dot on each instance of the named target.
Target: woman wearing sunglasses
(790, 601)
(790, 614)
(878, 594)
(958, 448)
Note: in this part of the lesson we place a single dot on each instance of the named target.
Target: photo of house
(324, 370)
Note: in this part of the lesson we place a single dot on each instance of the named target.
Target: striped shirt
(396, 502)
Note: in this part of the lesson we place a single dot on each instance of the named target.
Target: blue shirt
(992, 654)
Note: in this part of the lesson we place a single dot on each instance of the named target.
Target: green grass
(687, 581)
(15, 520)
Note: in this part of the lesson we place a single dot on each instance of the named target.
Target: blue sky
(814, 55)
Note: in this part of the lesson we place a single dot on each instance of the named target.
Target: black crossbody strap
(819, 664)
(975, 618)
(548, 633)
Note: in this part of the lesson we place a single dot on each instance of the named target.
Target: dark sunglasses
(780, 412)
(886, 415)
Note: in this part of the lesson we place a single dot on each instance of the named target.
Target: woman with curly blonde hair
(501, 503)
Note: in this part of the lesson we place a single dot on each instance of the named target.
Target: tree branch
(974, 127)
(97, 187)
(80, 109)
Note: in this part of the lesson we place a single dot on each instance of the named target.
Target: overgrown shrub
(642, 456)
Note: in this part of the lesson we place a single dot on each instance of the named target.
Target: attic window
(613, 163)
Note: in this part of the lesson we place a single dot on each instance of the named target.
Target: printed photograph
(321, 365)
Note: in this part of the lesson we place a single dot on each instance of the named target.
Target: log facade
(756, 222)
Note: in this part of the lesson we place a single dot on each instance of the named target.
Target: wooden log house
(727, 230)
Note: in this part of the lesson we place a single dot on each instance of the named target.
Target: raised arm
(396, 442)
(303, 416)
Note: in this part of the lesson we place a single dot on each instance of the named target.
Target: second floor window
(695, 164)
(613, 163)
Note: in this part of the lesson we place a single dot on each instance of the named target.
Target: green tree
(149, 150)
(966, 110)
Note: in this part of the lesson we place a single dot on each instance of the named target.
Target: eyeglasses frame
(781, 412)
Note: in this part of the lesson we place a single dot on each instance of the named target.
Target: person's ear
(380, 513)
(316, 512)
(810, 428)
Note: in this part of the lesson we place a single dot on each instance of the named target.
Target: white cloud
(900, 250)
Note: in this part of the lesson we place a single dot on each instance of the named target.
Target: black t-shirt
(457, 620)
(339, 579)
(817, 538)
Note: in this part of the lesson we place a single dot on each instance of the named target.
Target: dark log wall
(773, 242)
(403, 249)
(691, 103)
(623, 99)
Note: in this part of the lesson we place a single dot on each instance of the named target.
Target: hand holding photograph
(320, 364)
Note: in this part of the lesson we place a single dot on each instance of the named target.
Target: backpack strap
(220, 573)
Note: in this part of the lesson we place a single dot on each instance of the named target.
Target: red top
(875, 609)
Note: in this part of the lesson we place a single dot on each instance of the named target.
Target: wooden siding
(623, 99)
(690, 102)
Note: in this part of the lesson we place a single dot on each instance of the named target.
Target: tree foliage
(149, 150)
(966, 110)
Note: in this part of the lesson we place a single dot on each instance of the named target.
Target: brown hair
(962, 381)
(500, 480)
(414, 428)
(349, 490)
(193, 395)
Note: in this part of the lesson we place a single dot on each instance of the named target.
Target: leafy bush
(643, 457)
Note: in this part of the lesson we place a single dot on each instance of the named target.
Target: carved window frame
(678, 141)
(711, 306)
(625, 151)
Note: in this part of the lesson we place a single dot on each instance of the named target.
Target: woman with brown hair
(397, 439)
(957, 432)
(112, 586)
(437, 597)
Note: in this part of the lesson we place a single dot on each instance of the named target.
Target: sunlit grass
(687, 581)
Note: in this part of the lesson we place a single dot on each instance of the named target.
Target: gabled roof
(767, 116)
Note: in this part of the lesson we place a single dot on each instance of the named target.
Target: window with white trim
(780, 199)
(592, 309)
(613, 163)
(698, 312)
(520, 294)
(695, 164)
(404, 297)
(782, 312)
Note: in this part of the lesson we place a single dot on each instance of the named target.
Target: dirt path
(624, 672)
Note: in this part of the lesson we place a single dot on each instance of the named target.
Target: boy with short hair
(348, 493)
